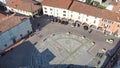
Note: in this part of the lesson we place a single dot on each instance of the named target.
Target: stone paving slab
(68, 49)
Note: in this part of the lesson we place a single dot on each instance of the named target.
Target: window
(14, 40)
(86, 19)
(95, 21)
(51, 9)
(105, 20)
(86, 15)
(45, 8)
(64, 14)
(45, 11)
(106, 26)
(79, 17)
(28, 31)
(109, 21)
(5, 45)
(64, 11)
(21, 35)
(118, 25)
(102, 19)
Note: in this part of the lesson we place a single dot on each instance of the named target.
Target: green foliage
(88, 1)
(101, 6)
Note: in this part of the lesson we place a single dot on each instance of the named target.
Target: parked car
(109, 40)
(73, 25)
(90, 30)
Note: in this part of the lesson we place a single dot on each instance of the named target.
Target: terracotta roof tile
(26, 5)
(111, 15)
(1, 16)
(113, 3)
(116, 8)
(57, 3)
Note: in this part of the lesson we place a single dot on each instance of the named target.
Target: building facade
(75, 11)
(83, 13)
(12, 30)
(4, 1)
(57, 10)
(28, 8)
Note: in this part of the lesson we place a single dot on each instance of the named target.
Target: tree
(88, 1)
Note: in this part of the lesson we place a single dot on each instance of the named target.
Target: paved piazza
(67, 49)
(54, 45)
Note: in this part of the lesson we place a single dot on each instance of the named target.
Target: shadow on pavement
(112, 56)
(39, 22)
(27, 55)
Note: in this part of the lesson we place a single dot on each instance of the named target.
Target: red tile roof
(26, 5)
(57, 3)
(9, 22)
(113, 3)
(111, 15)
(1, 16)
(116, 6)
(116, 9)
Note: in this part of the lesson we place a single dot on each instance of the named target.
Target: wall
(3, 1)
(64, 13)
(56, 12)
(117, 28)
(73, 15)
(16, 33)
(48, 10)
(108, 26)
(82, 0)
(83, 18)
(19, 11)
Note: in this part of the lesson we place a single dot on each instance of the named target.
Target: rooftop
(57, 3)
(113, 3)
(116, 6)
(111, 15)
(93, 11)
(8, 22)
(86, 9)
(26, 5)
(1, 16)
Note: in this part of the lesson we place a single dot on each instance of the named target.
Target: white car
(109, 40)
